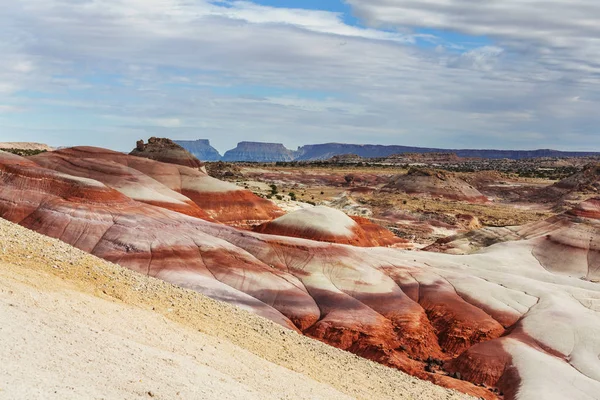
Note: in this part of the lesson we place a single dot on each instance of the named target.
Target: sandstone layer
(172, 186)
(481, 323)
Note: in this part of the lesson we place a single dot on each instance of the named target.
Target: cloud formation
(112, 71)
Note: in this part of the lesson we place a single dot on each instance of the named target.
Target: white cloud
(561, 33)
(180, 68)
(10, 109)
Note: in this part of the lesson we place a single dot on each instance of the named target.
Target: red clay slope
(494, 318)
(326, 224)
(171, 186)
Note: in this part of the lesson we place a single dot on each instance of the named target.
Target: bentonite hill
(517, 320)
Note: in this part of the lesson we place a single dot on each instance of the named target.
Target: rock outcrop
(492, 318)
(165, 150)
(326, 224)
(259, 152)
(424, 181)
(586, 181)
(201, 149)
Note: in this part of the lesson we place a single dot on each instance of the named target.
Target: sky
(505, 74)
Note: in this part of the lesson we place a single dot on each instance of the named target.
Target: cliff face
(272, 152)
(328, 150)
(201, 149)
(260, 152)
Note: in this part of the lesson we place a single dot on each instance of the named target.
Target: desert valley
(458, 275)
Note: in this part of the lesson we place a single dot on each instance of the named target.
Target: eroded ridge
(480, 323)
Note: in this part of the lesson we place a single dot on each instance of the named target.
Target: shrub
(24, 152)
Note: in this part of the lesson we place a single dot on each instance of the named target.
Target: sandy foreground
(77, 327)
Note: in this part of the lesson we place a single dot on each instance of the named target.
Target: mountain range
(273, 152)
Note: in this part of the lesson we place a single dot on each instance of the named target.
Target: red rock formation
(496, 317)
(435, 183)
(589, 209)
(150, 240)
(330, 225)
(182, 187)
(127, 180)
(165, 150)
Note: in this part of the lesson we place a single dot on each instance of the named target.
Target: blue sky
(442, 73)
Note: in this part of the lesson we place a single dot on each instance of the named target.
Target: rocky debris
(165, 150)
(259, 152)
(431, 182)
(224, 171)
(348, 205)
(395, 307)
(201, 149)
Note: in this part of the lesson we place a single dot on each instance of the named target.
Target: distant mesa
(165, 150)
(425, 181)
(328, 150)
(277, 152)
(201, 149)
(326, 224)
(259, 152)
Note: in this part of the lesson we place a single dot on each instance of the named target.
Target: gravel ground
(75, 327)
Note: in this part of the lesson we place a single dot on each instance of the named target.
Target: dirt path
(74, 326)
